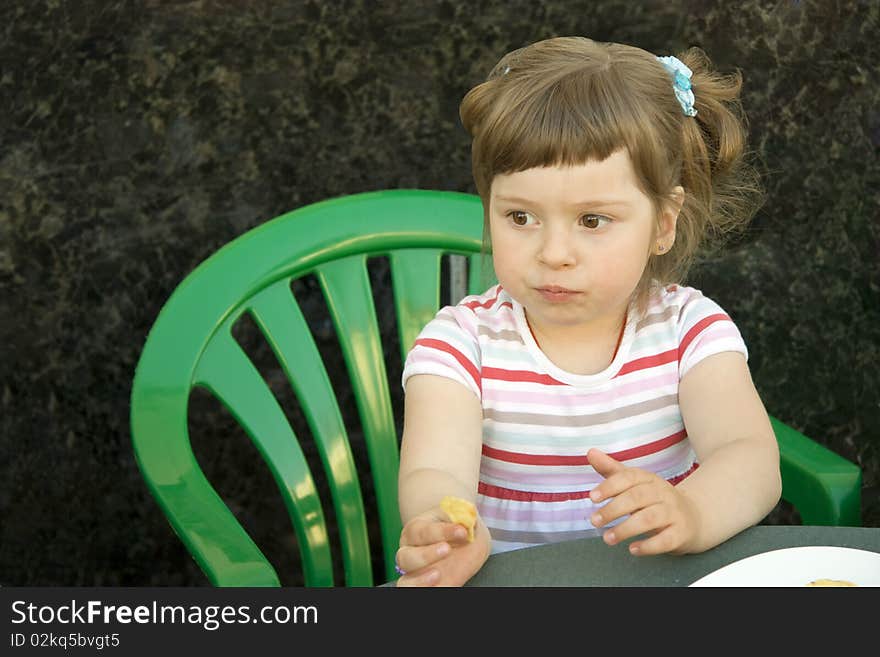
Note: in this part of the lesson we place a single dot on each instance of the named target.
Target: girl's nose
(557, 249)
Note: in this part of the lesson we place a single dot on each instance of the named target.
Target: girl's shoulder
(673, 294)
(495, 299)
(476, 314)
(492, 305)
(691, 323)
(681, 304)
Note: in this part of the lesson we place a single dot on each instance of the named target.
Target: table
(590, 562)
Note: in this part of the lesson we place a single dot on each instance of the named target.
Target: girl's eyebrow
(611, 202)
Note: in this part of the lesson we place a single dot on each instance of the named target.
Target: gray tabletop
(589, 562)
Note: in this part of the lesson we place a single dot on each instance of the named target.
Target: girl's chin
(556, 315)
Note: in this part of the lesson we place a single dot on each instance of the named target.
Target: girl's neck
(582, 350)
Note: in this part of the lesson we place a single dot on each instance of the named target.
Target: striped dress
(539, 421)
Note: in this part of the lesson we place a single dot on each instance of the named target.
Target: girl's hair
(569, 100)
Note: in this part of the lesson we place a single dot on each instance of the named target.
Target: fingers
(640, 498)
(427, 531)
(445, 563)
(426, 543)
(644, 492)
(618, 477)
(650, 508)
(411, 558)
(653, 518)
(602, 463)
(621, 481)
(661, 542)
(646, 503)
(412, 580)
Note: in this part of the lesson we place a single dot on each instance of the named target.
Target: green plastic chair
(191, 345)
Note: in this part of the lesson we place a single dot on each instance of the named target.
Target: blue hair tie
(681, 83)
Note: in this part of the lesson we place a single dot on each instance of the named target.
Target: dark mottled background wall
(138, 137)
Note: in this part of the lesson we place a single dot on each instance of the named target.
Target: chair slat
(415, 275)
(279, 317)
(346, 286)
(228, 373)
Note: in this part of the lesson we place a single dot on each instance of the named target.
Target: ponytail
(724, 190)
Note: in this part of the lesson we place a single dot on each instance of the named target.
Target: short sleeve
(704, 330)
(449, 347)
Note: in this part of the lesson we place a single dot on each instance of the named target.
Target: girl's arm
(439, 456)
(736, 485)
(738, 482)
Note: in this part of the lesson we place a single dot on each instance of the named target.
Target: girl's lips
(556, 293)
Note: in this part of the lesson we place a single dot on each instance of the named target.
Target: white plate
(798, 567)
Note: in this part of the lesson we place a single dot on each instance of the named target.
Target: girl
(588, 392)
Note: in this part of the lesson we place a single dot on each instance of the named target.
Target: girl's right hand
(436, 552)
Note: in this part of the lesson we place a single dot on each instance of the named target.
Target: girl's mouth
(556, 293)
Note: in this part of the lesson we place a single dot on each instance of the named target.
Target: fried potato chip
(831, 582)
(460, 511)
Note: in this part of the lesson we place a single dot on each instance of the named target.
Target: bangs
(566, 123)
(568, 116)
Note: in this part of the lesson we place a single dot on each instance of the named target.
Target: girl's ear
(669, 217)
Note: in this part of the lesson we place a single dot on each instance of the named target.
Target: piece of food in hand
(831, 582)
(460, 511)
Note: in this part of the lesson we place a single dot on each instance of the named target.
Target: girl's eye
(593, 220)
(519, 218)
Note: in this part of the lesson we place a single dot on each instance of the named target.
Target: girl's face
(570, 243)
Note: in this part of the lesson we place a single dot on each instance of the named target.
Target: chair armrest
(823, 486)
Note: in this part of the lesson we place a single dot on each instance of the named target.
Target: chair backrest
(191, 345)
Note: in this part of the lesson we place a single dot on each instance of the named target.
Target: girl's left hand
(653, 505)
